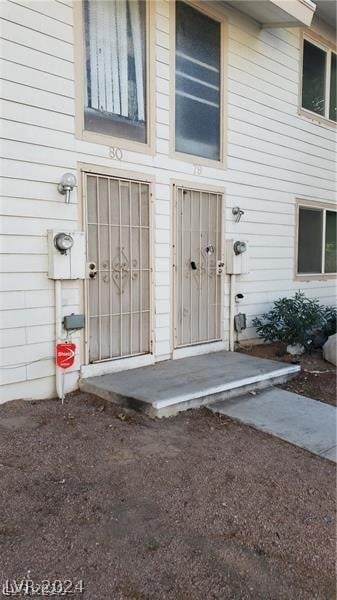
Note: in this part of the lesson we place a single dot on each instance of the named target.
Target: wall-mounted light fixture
(237, 212)
(66, 185)
(63, 242)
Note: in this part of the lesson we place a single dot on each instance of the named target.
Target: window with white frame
(115, 68)
(197, 83)
(319, 80)
(316, 239)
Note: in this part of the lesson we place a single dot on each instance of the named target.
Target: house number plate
(115, 153)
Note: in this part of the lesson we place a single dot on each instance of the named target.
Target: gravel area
(317, 379)
(187, 508)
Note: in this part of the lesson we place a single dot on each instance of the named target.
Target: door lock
(92, 270)
(194, 265)
(219, 267)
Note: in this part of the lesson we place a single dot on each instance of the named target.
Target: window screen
(310, 240)
(330, 242)
(115, 68)
(313, 84)
(197, 113)
(333, 89)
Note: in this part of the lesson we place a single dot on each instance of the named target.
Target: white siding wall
(273, 155)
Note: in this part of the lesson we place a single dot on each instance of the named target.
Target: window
(319, 80)
(316, 241)
(115, 68)
(197, 81)
(330, 242)
(333, 90)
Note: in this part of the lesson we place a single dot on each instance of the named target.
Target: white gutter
(277, 13)
(301, 12)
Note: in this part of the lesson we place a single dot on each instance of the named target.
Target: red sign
(65, 354)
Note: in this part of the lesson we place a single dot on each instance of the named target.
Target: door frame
(203, 347)
(112, 365)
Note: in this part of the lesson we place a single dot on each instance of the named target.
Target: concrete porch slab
(297, 419)
(163, 389)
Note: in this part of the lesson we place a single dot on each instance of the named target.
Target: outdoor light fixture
(66, 185)
(237, 212)
(63, 242)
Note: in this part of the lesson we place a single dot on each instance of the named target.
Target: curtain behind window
(115, 68)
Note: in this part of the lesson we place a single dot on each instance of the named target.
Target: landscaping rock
(330, 349)
(295, 349)
(318, 340)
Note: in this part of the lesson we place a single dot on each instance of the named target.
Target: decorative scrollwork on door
(121, 270)
(203, 268)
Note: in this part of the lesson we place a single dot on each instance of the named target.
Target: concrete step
(297, 419)
(166, 388)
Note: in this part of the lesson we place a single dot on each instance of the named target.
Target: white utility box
(70, 263)
(236, 257)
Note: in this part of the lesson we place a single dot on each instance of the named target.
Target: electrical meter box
(66, 254)
(236, 257)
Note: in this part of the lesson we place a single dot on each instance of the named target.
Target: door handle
(219, 267)
(193, 265)
(92, 270)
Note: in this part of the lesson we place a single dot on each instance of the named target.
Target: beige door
(119, 267)
(197, 266)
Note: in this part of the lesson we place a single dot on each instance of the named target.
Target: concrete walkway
(168, 387)
(302, 421)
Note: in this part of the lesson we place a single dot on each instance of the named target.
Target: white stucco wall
(273, 156)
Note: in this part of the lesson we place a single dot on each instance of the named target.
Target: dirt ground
(317, 379)
(187, 508)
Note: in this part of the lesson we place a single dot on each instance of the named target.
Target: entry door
(197, 266)
(118, 251)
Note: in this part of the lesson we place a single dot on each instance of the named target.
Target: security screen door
(197, 266)
(118, 267)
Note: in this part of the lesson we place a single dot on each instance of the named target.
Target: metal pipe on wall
(231, 312)
(58, 333)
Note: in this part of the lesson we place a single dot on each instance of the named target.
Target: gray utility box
(73, 322)
(240, 322)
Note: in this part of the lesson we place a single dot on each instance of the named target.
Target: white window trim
(221, 17)
(326, 47)
(324, 207)
(100, 138)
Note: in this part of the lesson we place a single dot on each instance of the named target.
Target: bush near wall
(297, 320)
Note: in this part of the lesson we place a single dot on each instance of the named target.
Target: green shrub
(296, 320)
(330, 321)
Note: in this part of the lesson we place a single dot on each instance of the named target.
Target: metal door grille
(198, 217)
(118, 220)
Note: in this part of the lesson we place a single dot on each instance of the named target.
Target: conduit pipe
(58, 333)
(231, 312)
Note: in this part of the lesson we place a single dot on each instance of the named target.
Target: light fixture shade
(68, 181)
